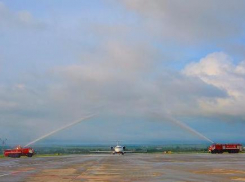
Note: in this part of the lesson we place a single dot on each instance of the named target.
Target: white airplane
(115, 150)
(119, 149)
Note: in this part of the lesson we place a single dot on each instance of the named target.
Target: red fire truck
(18, 152)
(220, 148)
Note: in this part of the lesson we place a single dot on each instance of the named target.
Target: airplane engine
(112, 148)
(124, 147)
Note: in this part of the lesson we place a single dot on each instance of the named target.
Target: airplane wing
(133, 151)
(101, 151)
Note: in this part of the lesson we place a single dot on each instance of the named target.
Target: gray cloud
(191, 21)
(64, 72)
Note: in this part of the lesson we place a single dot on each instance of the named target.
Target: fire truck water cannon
(221, 148)
(18, 152)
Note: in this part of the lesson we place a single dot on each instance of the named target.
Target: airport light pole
(3, 141)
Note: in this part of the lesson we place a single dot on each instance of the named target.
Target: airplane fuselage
(118, 150)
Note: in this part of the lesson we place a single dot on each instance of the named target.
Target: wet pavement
(130, 167)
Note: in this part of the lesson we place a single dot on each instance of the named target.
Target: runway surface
(130, 167)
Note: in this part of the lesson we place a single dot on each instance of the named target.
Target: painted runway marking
(15, 172)
(5, 175)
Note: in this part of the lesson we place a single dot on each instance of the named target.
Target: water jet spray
(185, 127)
(188, 128)
(60, 129)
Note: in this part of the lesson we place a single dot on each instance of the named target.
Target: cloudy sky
(141, 65)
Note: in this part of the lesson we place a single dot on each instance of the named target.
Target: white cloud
(132, 91)
(128, 81)
(21, 19)
(212, 65)
(25, 16)
(241, 68)
(219, 70)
